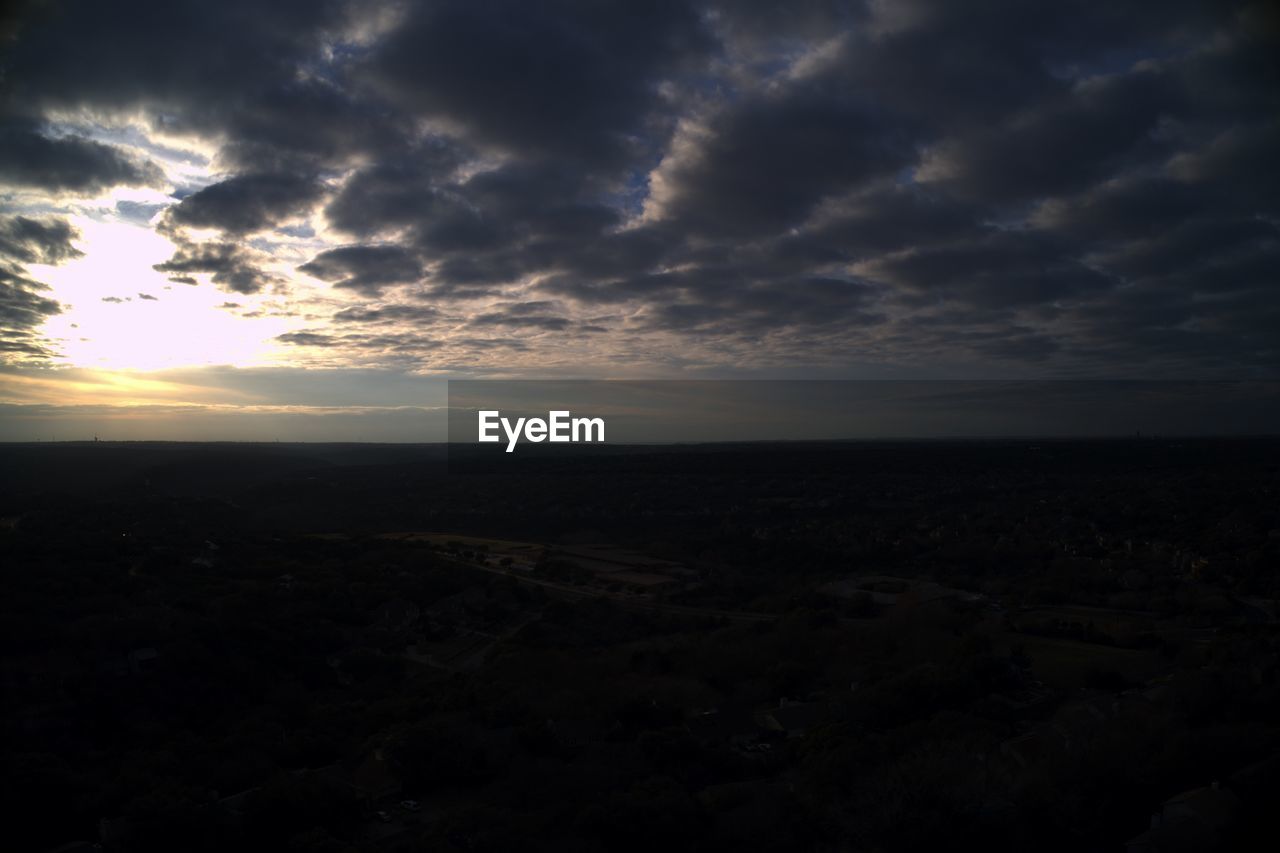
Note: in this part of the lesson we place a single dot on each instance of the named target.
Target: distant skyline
(297, 219)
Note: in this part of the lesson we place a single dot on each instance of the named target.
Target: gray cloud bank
(23, 305)
(1071, 187)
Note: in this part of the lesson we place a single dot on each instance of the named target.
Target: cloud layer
(1065, 188)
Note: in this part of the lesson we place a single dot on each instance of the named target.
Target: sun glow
(120, 314)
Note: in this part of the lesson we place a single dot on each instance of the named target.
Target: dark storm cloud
(1238, 166)
(386, 198)
(367, 269)
(37, 241)
(388, 314)
(393, 347)
(1181, 329)
(1004, 268)
(237, 206)
(883, 219)
(953, 67)
(32, 158)
(239, 70)
(1191, 244)
(1081, 136)
(757, 22)
(232, 266)
(767, 163)
(946, 71)
(25, 348)
(309, 124)
(514, 222)
(488, 229)
(1083, 185)
(538, 315)
(198, 62)
(543, 201)
(246, 203)
(546, 322)
(1122, 209)
(499, 213)
(23, 308)
(643, 287)
(308, 339)
(562, 78)
(622, 253)
(751, 310)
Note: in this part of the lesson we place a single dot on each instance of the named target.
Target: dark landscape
(1004, 645)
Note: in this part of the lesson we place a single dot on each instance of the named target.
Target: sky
(297, 219)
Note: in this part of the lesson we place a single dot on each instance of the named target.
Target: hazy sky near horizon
(304, 215)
